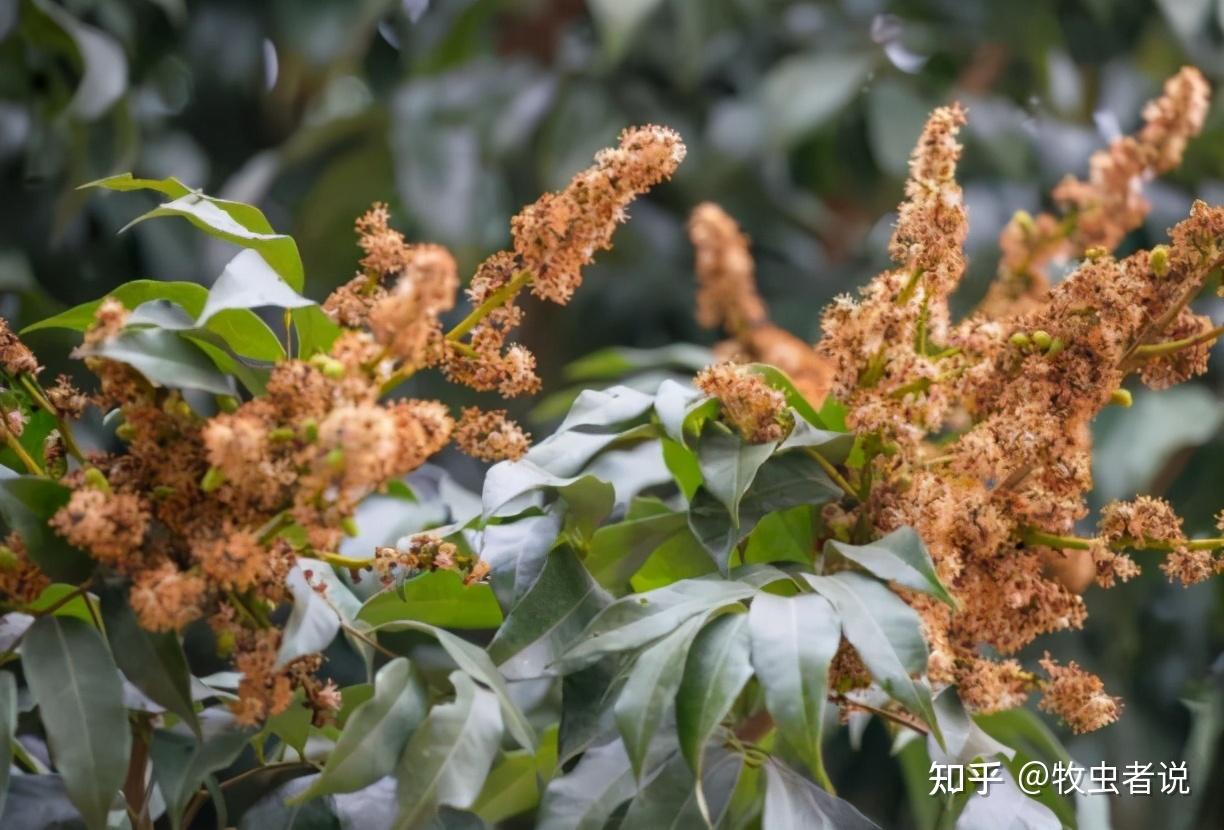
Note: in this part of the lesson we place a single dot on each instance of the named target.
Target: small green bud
(1158, 259)
(1056, 346)
(161, 492)
(1042, 339)
(225, 643)
(1094, 253)
(335, 458)
(1024, 220)
(333, 369)
(349, 525)
(125, 432)
(1020, 340)
(282, 434)
(8, 559)
(95, 479)
(227, 403)
(212, 479)
(1121, 397)
(310, 430)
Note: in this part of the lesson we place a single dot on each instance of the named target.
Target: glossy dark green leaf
(517, 551)
(80, 696)
(438, 598)
(793, 642)
(671, 800)
(784, 481)
(512, 487)
(450, 754)
(613, 409)
(153, 662)
(638, 619)
(27, 503)
(165, 359)
(618, 361)
(619, 550)
(190, 296)
(899, 557)
(784, 536)
(794, 803)
(586, 796)
(729, 465)
(248, 281)
(548, 618)
(514, 785)
(475, 662)
(718, 667)
(650, 689)
(376, 732)
(181, 761)
(8, 730)
(886, 633)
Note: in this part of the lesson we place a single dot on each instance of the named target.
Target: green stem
(495, 300)
(18, 450)
(1170, 346)
(832, 472)
(341, 561)
(911, 285)
(1033, 536)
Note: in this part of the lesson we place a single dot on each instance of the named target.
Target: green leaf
(586, 796)
(475, 662)
(618, 361)
(670, 800)
(895, 114)
(438, 598)
(313, 623)
(794, 103)
(729, 465)
(650, 689)
(639, 619)
(153, 662)
(618, 22)
(56, 595)
(182, 761)
(682, 464)
(27, 503)
(899, 557)
(248, 281)
(682, 410)
(80, 696)
(513, 785)
(243, 333)
(793, 642)
(1006, 806)
(513, 487)
(784, 536)
(619, 550)
(8, 730)
(190, 296)
(123, 182)
(376, 733)
(886, 633)
(449, 756)
(784, 481)
(165, 359)
(234, 222)
(834, 446)
(781, 381)
(718, 667)
(794, 803)
(103, 65)
(315, 331)
(548, 618)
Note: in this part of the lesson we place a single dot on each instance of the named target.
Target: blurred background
(799, 117)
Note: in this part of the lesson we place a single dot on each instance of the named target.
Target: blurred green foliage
(799, 117)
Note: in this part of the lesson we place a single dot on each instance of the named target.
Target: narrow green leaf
(886, 633)
(794, 803)
(450, 755)
(514, 785)
(650, 690)
(586, 796)
(672, 799)
(165, 359)
(438, 598)
(729, 464)
(899, 557)
(548, 618)
(376, 733)
(8, 730)
(619, 550)
(639, 619)
(474, 661)
(718, 667)
(618, 361)
(793, 642)
(182, 761)
(154, 663)
(80, 695)
(190, 296)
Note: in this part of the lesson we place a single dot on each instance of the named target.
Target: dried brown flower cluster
(977, 435)
(206, 516)
(754, 408)
(727, 298)
(1099, 212)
